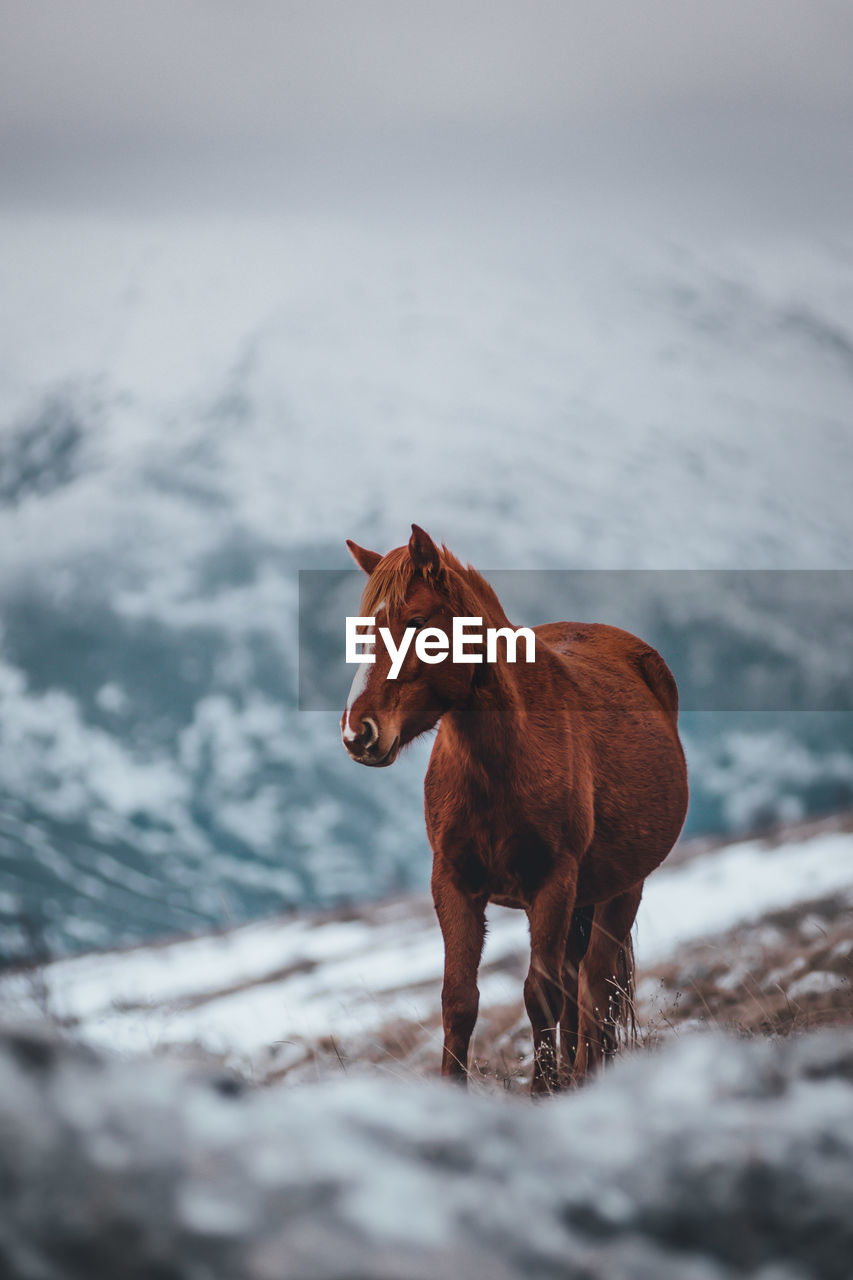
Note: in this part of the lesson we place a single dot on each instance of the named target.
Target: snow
(203, 405)
(817, 983)
(241, 993)
(713, 1158)
(736, 885)
(361, 356)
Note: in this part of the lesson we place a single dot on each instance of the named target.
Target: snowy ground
(322, 992)
(713, 1159)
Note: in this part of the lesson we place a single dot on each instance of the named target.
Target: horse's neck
(494, 717)
(479, 600)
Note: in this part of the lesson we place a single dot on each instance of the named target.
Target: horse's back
(607, 649)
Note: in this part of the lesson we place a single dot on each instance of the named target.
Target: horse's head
(411, 588)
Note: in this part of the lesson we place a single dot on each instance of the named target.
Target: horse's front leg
(544, 992)
(463, 926)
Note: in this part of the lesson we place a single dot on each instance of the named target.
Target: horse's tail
(623, 1014)
(660, 680)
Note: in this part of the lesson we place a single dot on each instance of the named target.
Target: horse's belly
(617, 817)
(500, 900)
(599, 881)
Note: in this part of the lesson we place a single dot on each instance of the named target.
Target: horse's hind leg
(605, 987)
(576, 945)
(544, 994)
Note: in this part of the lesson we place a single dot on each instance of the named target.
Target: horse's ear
(366, 560)
(424, 553)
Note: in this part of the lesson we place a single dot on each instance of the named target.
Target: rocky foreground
(709, 1158)
(261, 1104)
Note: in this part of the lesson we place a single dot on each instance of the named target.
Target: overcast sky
(94, 90)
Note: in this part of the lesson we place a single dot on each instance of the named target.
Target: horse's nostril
(370, 732)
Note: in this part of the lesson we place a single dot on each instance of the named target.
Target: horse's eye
(417, 623)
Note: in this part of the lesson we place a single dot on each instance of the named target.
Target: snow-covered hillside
(720, 934)
(191, 411)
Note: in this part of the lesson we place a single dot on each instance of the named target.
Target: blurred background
(569, 285)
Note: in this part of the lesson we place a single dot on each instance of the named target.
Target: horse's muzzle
(366, 748)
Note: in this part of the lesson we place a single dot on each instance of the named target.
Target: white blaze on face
(359, 684)
(357, 688)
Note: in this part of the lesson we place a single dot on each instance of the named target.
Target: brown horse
(555, 785)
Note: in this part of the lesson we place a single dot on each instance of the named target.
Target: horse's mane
(466, 589)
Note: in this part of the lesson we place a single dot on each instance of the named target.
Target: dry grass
(790, 972)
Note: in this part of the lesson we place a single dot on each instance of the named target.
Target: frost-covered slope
(191, 412)
(310, 995)
(706, 1157)
(712, 1160)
